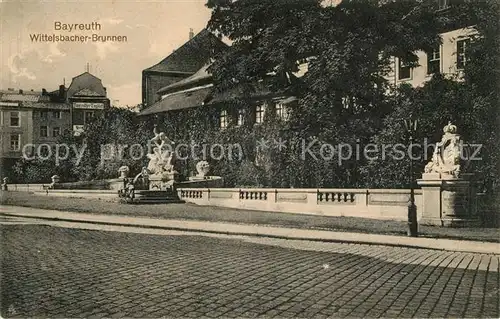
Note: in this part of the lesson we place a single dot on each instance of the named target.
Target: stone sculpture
(449, 196)
(160, 161)
(202, 167)
(55, 180)
(123, 171)
(446, 156)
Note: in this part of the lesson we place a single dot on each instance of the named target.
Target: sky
(153, 30)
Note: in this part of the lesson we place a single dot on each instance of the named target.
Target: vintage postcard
(249, 159)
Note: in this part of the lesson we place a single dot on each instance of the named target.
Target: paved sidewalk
(255, 230)
(248, 217)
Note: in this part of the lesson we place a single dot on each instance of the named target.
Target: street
(53, 271)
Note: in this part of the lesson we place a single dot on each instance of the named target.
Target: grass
(220, 214)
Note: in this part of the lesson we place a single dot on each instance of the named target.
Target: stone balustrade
(368, 203)
(188, 193)
(253, 195)
(336, 197)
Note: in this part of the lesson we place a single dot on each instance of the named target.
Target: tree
(348, 49)
(471, 103)
(117, 128)
(108, 144)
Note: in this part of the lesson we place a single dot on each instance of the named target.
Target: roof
(192, 55)
(178, 101)
(205, 95)
(16, 97)
(25, 92)
(86, 81)
(47, 105)
(201, 75)
(86, 92)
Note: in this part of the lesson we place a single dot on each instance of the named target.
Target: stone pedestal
(448, 201)
(162, 182)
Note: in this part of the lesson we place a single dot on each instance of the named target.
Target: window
(434, 61)
(461, 52)
(443, 4)
(259, 113)
(88, 115)
(282, 111)
(44, 115)
(350, 102)
(223, 119)
(404, 71)
(14, 119)
(44, 131)
(15, 142)
(57, 114)
(241, 117)
(44, 150)
(346, 102)
(56, 131)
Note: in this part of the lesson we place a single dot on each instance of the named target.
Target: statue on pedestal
(202, 167)
(449, 196)
(446, 156)
(160, 161)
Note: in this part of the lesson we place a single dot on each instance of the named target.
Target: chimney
(62, 92)
(191, 33)
(20, 91)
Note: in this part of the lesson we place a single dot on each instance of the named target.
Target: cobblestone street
(63, 272)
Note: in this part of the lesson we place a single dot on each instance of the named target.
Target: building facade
(182, 63)
(448, 59)
(162, 92)
(87, 98)
(31, 121)
(16, 123)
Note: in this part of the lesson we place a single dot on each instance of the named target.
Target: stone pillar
(448, 200)
(431, 199)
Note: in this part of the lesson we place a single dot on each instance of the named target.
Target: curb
(314, 235)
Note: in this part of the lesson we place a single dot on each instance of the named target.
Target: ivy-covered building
(197, 91)
(190, 109)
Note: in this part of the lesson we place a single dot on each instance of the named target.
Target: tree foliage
(349, 49)
(87, 158)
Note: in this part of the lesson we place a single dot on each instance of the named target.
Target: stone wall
(367, 203)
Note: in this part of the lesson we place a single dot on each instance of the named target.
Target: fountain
(158, 181)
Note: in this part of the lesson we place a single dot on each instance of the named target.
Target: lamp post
(411, 128)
